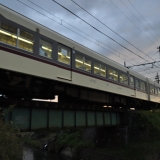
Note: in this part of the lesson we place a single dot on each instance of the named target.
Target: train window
(112, 74)
(79, 61)
(45, 49)
(151, 89)
(99, 69)
(64, 55)
(142, 86)
(83, 63)
(87, 64)
(26, 41)
(156, 90)
(137, 83)
(8, 34)
(131, 81)
(159, 91)
(103, 70)
(123, 78)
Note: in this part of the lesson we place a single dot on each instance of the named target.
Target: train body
(28, 47)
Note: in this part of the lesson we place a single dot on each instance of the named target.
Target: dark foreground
(30, 153)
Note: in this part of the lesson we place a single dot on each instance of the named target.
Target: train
(32, 49)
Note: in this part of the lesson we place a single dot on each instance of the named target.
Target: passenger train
(30, 48)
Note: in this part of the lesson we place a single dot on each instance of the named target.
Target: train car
(32, 49)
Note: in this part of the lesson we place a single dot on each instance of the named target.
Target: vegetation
(72, 139)
(10, 143)
(144, 138)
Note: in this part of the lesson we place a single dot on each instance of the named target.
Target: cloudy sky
(127, 30)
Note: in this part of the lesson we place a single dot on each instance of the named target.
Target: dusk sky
(133, 24)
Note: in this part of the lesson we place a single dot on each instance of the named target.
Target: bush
(10, 144)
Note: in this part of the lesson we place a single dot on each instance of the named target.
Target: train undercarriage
(20, 87)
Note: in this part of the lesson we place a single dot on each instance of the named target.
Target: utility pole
(157, 78)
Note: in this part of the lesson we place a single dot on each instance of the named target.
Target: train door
(65, 60)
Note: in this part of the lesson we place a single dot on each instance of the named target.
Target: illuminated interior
(45, 49)
(123, 78)
(9, 34)
(99, 69)
(26, 41)
(112, 74)
(8, 38)
(83, 63)
(64, 55)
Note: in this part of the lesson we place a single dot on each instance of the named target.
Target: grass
(71, 139)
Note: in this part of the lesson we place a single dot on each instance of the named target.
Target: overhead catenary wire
(143, 18)
(68, 23)
(104, 33)
(53, 20)
(80, 30)
(101, 32)
(106, 25)
(67, 28)
(140, 22)
(130, 21)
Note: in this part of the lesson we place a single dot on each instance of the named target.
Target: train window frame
(67, 48)
(19, 27)
(121, 74)
(83, 61)
(108, 76)
(137, 86)
(48, 41)
(153, 89)
(100, 68)
(130, 76)
(158, 91)
(140, 85)
(9, 33)
(25, 40)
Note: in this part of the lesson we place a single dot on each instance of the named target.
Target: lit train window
(45, 49)
(8, 34)
(112, 74)
(83, 63)
(142, 86)
(137, 84)
(79, 61)
(25, 41)
(87, 64)
(151, 89)
(123, 78)
(99, 69)
(131, 81)
(103, 70)
(64, 55)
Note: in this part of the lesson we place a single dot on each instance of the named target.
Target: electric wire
(60, 24)
(69, 24)
(106, 25)
(80, 30)
(101, 32)
(69, 29)
(104, 33)
(131, 22)
(140, 22)
(143, 18)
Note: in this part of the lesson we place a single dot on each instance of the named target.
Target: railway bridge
(32, 115)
